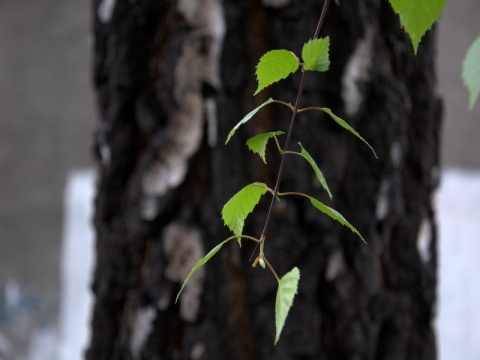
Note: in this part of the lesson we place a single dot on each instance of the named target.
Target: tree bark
(172, 78)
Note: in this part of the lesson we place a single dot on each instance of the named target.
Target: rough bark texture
(172, 78)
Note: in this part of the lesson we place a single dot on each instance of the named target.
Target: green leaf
(306, 155)
(334, 214)
(315, 54)
(417, 16)
(240, 205)
(287, 288)
(471, 72)
(274, 66)
(200, 263)
(247, 117)
(258, 143)
(345, 125)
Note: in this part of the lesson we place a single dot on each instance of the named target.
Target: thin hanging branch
(290, 128)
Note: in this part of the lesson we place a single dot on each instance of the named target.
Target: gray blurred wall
(46, 124)
(459, 26)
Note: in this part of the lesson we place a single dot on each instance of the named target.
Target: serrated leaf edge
(288, 282)
(311, 67)
(268, 136)
(277, 78)
(414, 37)
(235, 198)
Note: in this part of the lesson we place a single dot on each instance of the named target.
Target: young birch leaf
(345, 125)
(246, 118)
(200, 263)
(417, 16)
(240, 205)
(315, 54)
(304, 153)
(258, 143)
(471, 72)
(274, 66)
(287, 288)
(335, 215)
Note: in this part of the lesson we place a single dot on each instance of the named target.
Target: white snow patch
(42, 345)
(458, 210)
(76, 266)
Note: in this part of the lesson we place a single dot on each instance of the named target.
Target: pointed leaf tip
(287, 289)
(347, 127)
(199, 264)
(335, 215)
(246, 118)
(274, 66)
(241, 205)
(258, 143)
(417, 16)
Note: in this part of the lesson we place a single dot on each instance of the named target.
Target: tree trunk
(172, 78)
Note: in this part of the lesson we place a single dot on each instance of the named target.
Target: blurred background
(47, 119)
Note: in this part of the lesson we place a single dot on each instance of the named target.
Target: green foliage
(304, 153)
(200, 263)
(258, 143)
(315, 54)
(274, 66)
(247, 118)
(345, 125)
(335, 215)
(417, 16)
(287, 289)
(240, 205)
(471, 71)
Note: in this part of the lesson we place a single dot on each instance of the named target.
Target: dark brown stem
(322, 17)
(290, 128)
